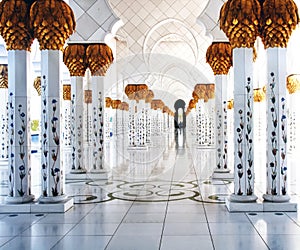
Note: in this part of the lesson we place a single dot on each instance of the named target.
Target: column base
(204, 146)
(97, 171)
(98, 175)
(242, 198)
(35, 207)
(19, 200)
(259, 206)
(276, 198)
(137, 148)
(52, 199)
(101, 175)
(222, 174)
(78, 171)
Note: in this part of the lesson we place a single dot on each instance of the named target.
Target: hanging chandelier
(37, 85)
(293, 83)
(67, 92)
(259, 95)
(3, 76)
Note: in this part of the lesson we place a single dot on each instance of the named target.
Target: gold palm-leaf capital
(219, 57)
(14, 24)
(239, 19)
(52, 22)
(75, 59)
(130, 90)
(150, 96)
(99, 58)
(279, 19)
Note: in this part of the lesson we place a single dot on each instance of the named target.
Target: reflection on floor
(160, 198)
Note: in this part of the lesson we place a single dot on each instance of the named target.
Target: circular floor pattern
(155, 191)
(216, 182)
(87, 199)
(213, 198)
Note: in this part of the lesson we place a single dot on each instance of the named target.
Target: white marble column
(221, 124)
(200, 123)
(3, 125)
(276, 126)
(52, 165)
(141, 124)
(243, 126)
(98, 128)
(87, 123)
(19, 164)
(77, 125)
(211, 122)
(148, 112)
(107, 123)
(132, 124)
(66, 129)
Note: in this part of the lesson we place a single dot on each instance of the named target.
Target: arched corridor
(149, 124)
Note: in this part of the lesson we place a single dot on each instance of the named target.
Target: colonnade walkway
(160, 198)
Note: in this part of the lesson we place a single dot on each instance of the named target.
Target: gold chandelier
(3, 76)
(67, 92)
(230, 104)
(293, 83)
(259, 95)
(37, 85)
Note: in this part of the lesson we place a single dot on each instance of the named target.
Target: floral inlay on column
(11, 177)
(275, 34)
(52, 22)
(219, 57)
(240, 22)
(99, 58)
(249, 136)
(74, 57)
(18, 36)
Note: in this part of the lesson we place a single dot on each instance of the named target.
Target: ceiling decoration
(166, 29)
(94, 19)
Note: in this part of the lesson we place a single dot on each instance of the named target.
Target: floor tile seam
(204, 209)
(66, 234)
(167, 205)
(257, 231)
(11, 239)
(293, 220)
(122, 221)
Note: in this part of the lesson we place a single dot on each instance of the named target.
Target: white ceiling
(176, 32)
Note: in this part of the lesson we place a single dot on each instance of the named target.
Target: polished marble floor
(160, 198)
